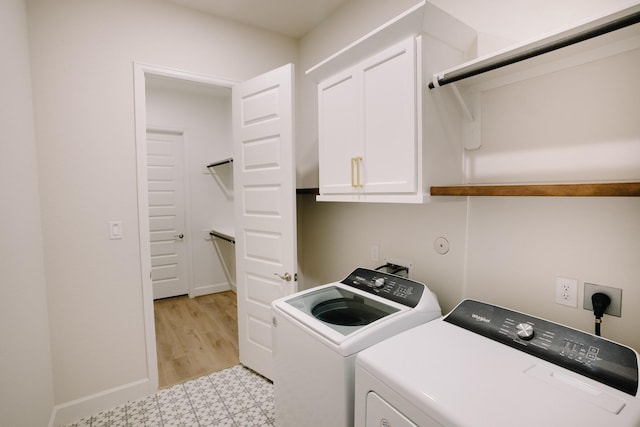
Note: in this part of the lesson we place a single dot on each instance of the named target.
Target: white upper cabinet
(382, 137)
(368, 127)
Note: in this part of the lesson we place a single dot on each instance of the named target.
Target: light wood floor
(195, 336)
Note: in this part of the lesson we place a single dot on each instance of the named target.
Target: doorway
(188, 125)
(262, 143)
(194, 114)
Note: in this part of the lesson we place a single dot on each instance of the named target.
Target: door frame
(140, 71)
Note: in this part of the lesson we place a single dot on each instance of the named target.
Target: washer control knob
(379, 283)
(524, 331)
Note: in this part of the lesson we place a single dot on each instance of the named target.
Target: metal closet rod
(590, 33)
(221, 162)
(222, 236)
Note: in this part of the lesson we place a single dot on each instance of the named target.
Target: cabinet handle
(359, 172)
(356, 163)
(353, 182)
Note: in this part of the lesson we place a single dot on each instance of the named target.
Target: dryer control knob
(525, 331)
(379, 282)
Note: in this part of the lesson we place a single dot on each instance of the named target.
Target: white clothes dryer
(317, 334)
(488, 366)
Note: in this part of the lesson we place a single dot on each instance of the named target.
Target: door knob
(286, 277)
(179, 236)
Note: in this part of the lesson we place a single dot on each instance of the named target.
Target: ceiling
(293, 18)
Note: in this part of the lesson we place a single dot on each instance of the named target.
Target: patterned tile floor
(233, 397)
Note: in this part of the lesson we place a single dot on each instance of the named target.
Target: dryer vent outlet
(397, 267)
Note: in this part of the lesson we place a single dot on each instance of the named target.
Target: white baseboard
(67, 413)
(209, 289)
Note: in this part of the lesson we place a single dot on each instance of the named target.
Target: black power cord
(600, 303)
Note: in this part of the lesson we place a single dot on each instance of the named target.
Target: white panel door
(265, 206)
(166, 213)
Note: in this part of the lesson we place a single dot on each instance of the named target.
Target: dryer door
(381, 414)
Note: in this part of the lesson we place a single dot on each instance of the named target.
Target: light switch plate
(115, 230)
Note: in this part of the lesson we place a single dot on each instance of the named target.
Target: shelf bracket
(463, 105)
(472, 129)
(223, 176)
(472, 112)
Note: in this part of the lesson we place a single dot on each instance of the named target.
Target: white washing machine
(483, 365)
(317, 334)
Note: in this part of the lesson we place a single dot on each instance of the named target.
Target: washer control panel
(389, 286)
(586, 354)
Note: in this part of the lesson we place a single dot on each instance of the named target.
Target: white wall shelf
(612, 25)
(612, 189)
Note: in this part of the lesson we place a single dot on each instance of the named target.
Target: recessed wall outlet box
(399, 263)
(567, 291)
(615, 307)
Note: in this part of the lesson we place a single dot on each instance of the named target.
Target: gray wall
(26, 380)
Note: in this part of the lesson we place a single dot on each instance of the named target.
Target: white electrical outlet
(567, 291)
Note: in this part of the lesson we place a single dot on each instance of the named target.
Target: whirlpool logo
(480, 318)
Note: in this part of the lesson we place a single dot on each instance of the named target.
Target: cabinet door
(390, 116)
(339, 129)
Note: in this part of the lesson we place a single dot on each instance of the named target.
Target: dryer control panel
(389, 286)
(586, 354)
